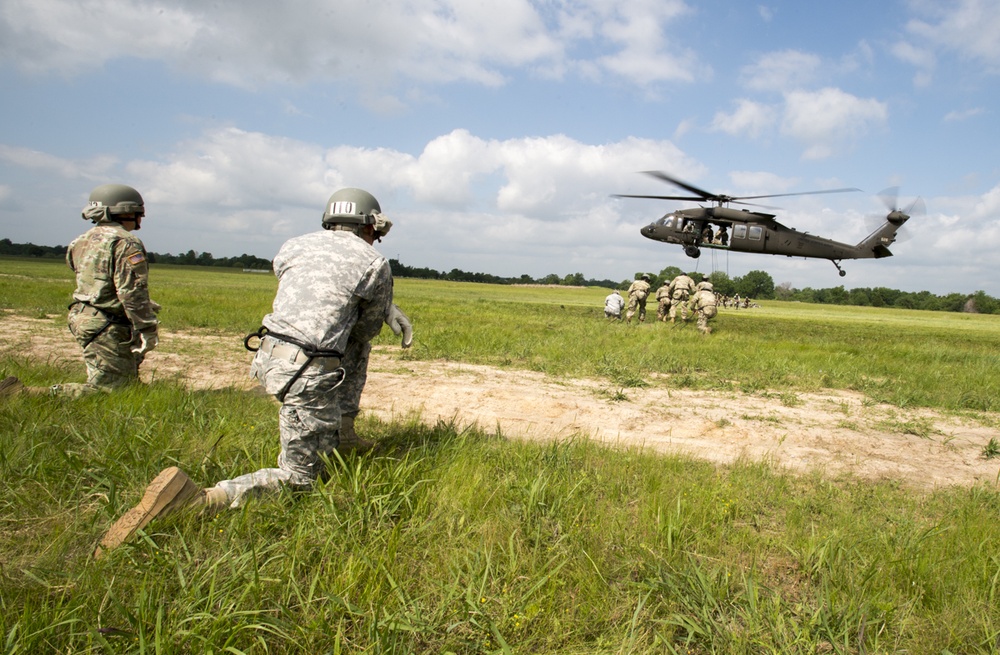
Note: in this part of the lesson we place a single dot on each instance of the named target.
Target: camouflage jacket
(681, 283)
(704, 298)
(332, 286)
(639, 289)
(112, 274)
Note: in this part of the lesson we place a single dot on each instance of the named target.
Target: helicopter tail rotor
(887, 229)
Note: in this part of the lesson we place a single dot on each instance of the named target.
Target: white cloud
(962, 115)
(780, 71)
(829, 120)
(967, 27)
(922, 59)
(749, 118)
(365, 46)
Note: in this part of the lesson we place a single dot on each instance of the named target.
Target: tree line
(190, 258)
(758, 285)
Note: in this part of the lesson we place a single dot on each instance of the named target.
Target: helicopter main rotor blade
(800, 193)
(663, 177)
(625, 195)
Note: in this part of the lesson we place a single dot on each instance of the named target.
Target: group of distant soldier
(681, 295)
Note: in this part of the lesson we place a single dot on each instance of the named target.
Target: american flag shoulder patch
(137, 258)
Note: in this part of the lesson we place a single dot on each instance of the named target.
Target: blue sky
(494, 134)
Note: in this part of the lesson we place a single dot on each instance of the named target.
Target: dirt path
(834, 431)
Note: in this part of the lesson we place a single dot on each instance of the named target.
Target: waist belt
(278, 349)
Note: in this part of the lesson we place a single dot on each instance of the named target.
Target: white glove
(400, 324)
(146, 341)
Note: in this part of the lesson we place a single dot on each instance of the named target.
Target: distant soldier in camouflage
(662, 302)
(681, 288)
(703, 302)
(334, 294)
(111, 316)
(637, 294)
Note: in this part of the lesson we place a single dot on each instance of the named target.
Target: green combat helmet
(108, 201)
(355, 207)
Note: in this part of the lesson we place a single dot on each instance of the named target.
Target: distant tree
(985, 304)
(755, 284)
(574, 280)
(669, 273)
(551, 278)
(859, 297)
(783, 291)
(722, 283)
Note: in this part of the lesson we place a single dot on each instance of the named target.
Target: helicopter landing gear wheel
(841, 271)
(693, 252)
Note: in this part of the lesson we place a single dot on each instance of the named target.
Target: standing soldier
(334, 294)
(703, 303)
(662, 302)
(681, 288)
(111, 316)
(637, 298)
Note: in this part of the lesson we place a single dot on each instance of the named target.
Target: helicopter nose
(647, 231)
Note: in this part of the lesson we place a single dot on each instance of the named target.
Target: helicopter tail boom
(877, 243)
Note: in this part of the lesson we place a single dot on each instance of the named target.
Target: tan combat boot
(169, 491)
(350, 442)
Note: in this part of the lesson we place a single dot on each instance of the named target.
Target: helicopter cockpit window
(756, 231)
(740, 232)
(666, 221)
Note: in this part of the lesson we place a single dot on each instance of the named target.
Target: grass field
(458, 540)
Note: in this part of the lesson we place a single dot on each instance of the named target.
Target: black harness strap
(310, 352)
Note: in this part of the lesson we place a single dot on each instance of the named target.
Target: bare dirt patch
(833, 431)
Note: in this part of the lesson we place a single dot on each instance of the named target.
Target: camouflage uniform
(334, 293)
(662, 302)
(637, 300)
(681, 288)
(110, 307)
(704, 307)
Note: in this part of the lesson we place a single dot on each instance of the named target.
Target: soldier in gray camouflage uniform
(334, 294)
(112, 317)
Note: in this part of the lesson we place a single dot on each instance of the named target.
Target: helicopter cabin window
(740, 232)
(756, 231)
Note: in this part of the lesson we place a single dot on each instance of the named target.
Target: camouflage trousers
(355, 365)
(662, 308)
(308, 424)
(636, 305)
(704, 314)
(106, 352)
(680, 299)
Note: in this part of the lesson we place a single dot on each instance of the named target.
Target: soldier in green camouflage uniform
(111, 316)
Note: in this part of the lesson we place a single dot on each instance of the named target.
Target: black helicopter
(743, 230)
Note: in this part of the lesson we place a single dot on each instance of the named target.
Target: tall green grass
(456, 540)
